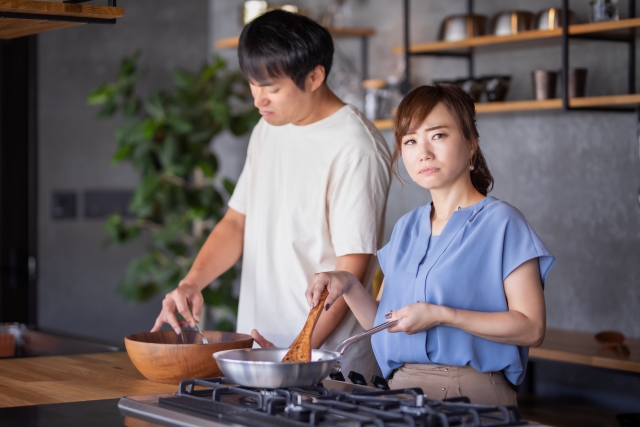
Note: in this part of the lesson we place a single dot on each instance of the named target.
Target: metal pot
(460, 27)
(511, 22)
(496, 87)
(263, 368)
(550, 19)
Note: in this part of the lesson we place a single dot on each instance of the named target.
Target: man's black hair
(278, 44)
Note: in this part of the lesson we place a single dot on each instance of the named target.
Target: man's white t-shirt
(310, 194)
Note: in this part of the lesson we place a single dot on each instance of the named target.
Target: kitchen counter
(582, 348)
(60, 379)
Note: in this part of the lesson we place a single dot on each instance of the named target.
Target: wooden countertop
(582, 348)
(60, 379)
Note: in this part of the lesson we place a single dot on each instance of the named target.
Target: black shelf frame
(564, 72)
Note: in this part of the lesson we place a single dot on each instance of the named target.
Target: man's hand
(262, 341)
(416, 317)
(179, 300)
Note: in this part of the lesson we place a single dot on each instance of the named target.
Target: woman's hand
(337, 283)
(416, 317)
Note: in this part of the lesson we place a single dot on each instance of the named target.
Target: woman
(464, 275)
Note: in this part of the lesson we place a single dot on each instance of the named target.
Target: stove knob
(357, 378)
(337, 376)
(379, 382)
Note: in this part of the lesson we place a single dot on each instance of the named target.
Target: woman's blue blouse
(465, 268)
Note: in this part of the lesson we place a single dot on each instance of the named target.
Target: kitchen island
(77, 378)
(100, 379)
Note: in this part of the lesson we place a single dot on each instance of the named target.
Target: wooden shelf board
(227, 43)
(443, 46)
(499, 107)
(582, 348)
(351, 32)
(548, 104)
(11, 27)
(605, 101)
(232, 42)
(576, 29)
(597, 27)
(383, 124)
(61, 9)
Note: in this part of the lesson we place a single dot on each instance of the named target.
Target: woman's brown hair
(416, 106)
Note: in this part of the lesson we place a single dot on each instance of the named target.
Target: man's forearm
(221, 250)
(357, 264)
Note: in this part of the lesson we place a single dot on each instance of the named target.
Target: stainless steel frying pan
(262, 367)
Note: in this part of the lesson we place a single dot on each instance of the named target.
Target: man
(311, 196)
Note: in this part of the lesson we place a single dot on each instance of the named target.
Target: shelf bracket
(405, 86)
(565, 55)
(632, 52)
(364, 57)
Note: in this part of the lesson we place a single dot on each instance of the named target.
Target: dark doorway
(18, 220)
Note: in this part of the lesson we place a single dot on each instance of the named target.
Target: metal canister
(377, 102)
(544, 84)
(252, 9)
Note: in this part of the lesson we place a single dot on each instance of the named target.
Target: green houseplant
(166, 137)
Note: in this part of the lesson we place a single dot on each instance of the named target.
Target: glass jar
(377, 100)
(603, 10)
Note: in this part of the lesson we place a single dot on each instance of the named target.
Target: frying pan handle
(346, 343)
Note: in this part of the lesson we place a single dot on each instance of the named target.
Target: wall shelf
(614, 27)
(232, 42)
(362, 33)
(19, 18)
(622, 31)
(548, 104)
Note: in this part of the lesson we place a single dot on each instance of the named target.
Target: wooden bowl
(610, 338)
(161, 356)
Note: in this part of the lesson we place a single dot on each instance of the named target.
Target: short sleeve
(522, 244)
(357, 199)
(239, 198)
(383, 256)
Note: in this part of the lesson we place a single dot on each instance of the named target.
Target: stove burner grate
(318, 406)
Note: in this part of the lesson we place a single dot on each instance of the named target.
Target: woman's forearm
(507, 327)
(362, 304)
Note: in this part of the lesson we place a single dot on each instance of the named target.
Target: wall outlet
(63, 205)
(99, 204)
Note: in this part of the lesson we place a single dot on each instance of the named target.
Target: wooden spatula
(300, 350)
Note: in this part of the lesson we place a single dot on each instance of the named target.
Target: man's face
(280, 101)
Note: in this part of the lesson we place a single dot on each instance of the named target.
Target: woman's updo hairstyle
(416, 106)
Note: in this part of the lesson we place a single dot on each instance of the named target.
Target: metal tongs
(337, 368)
(204, 340)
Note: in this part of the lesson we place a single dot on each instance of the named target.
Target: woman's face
(436, 154)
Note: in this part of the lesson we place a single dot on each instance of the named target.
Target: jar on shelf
(377, 99)
(603, 10)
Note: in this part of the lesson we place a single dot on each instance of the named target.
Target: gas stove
(214, 402)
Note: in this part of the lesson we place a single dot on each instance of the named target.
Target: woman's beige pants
(441, 382)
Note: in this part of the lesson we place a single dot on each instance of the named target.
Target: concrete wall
(77, 277)
(574, 175)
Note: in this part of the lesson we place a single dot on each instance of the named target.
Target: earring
(471, 168)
